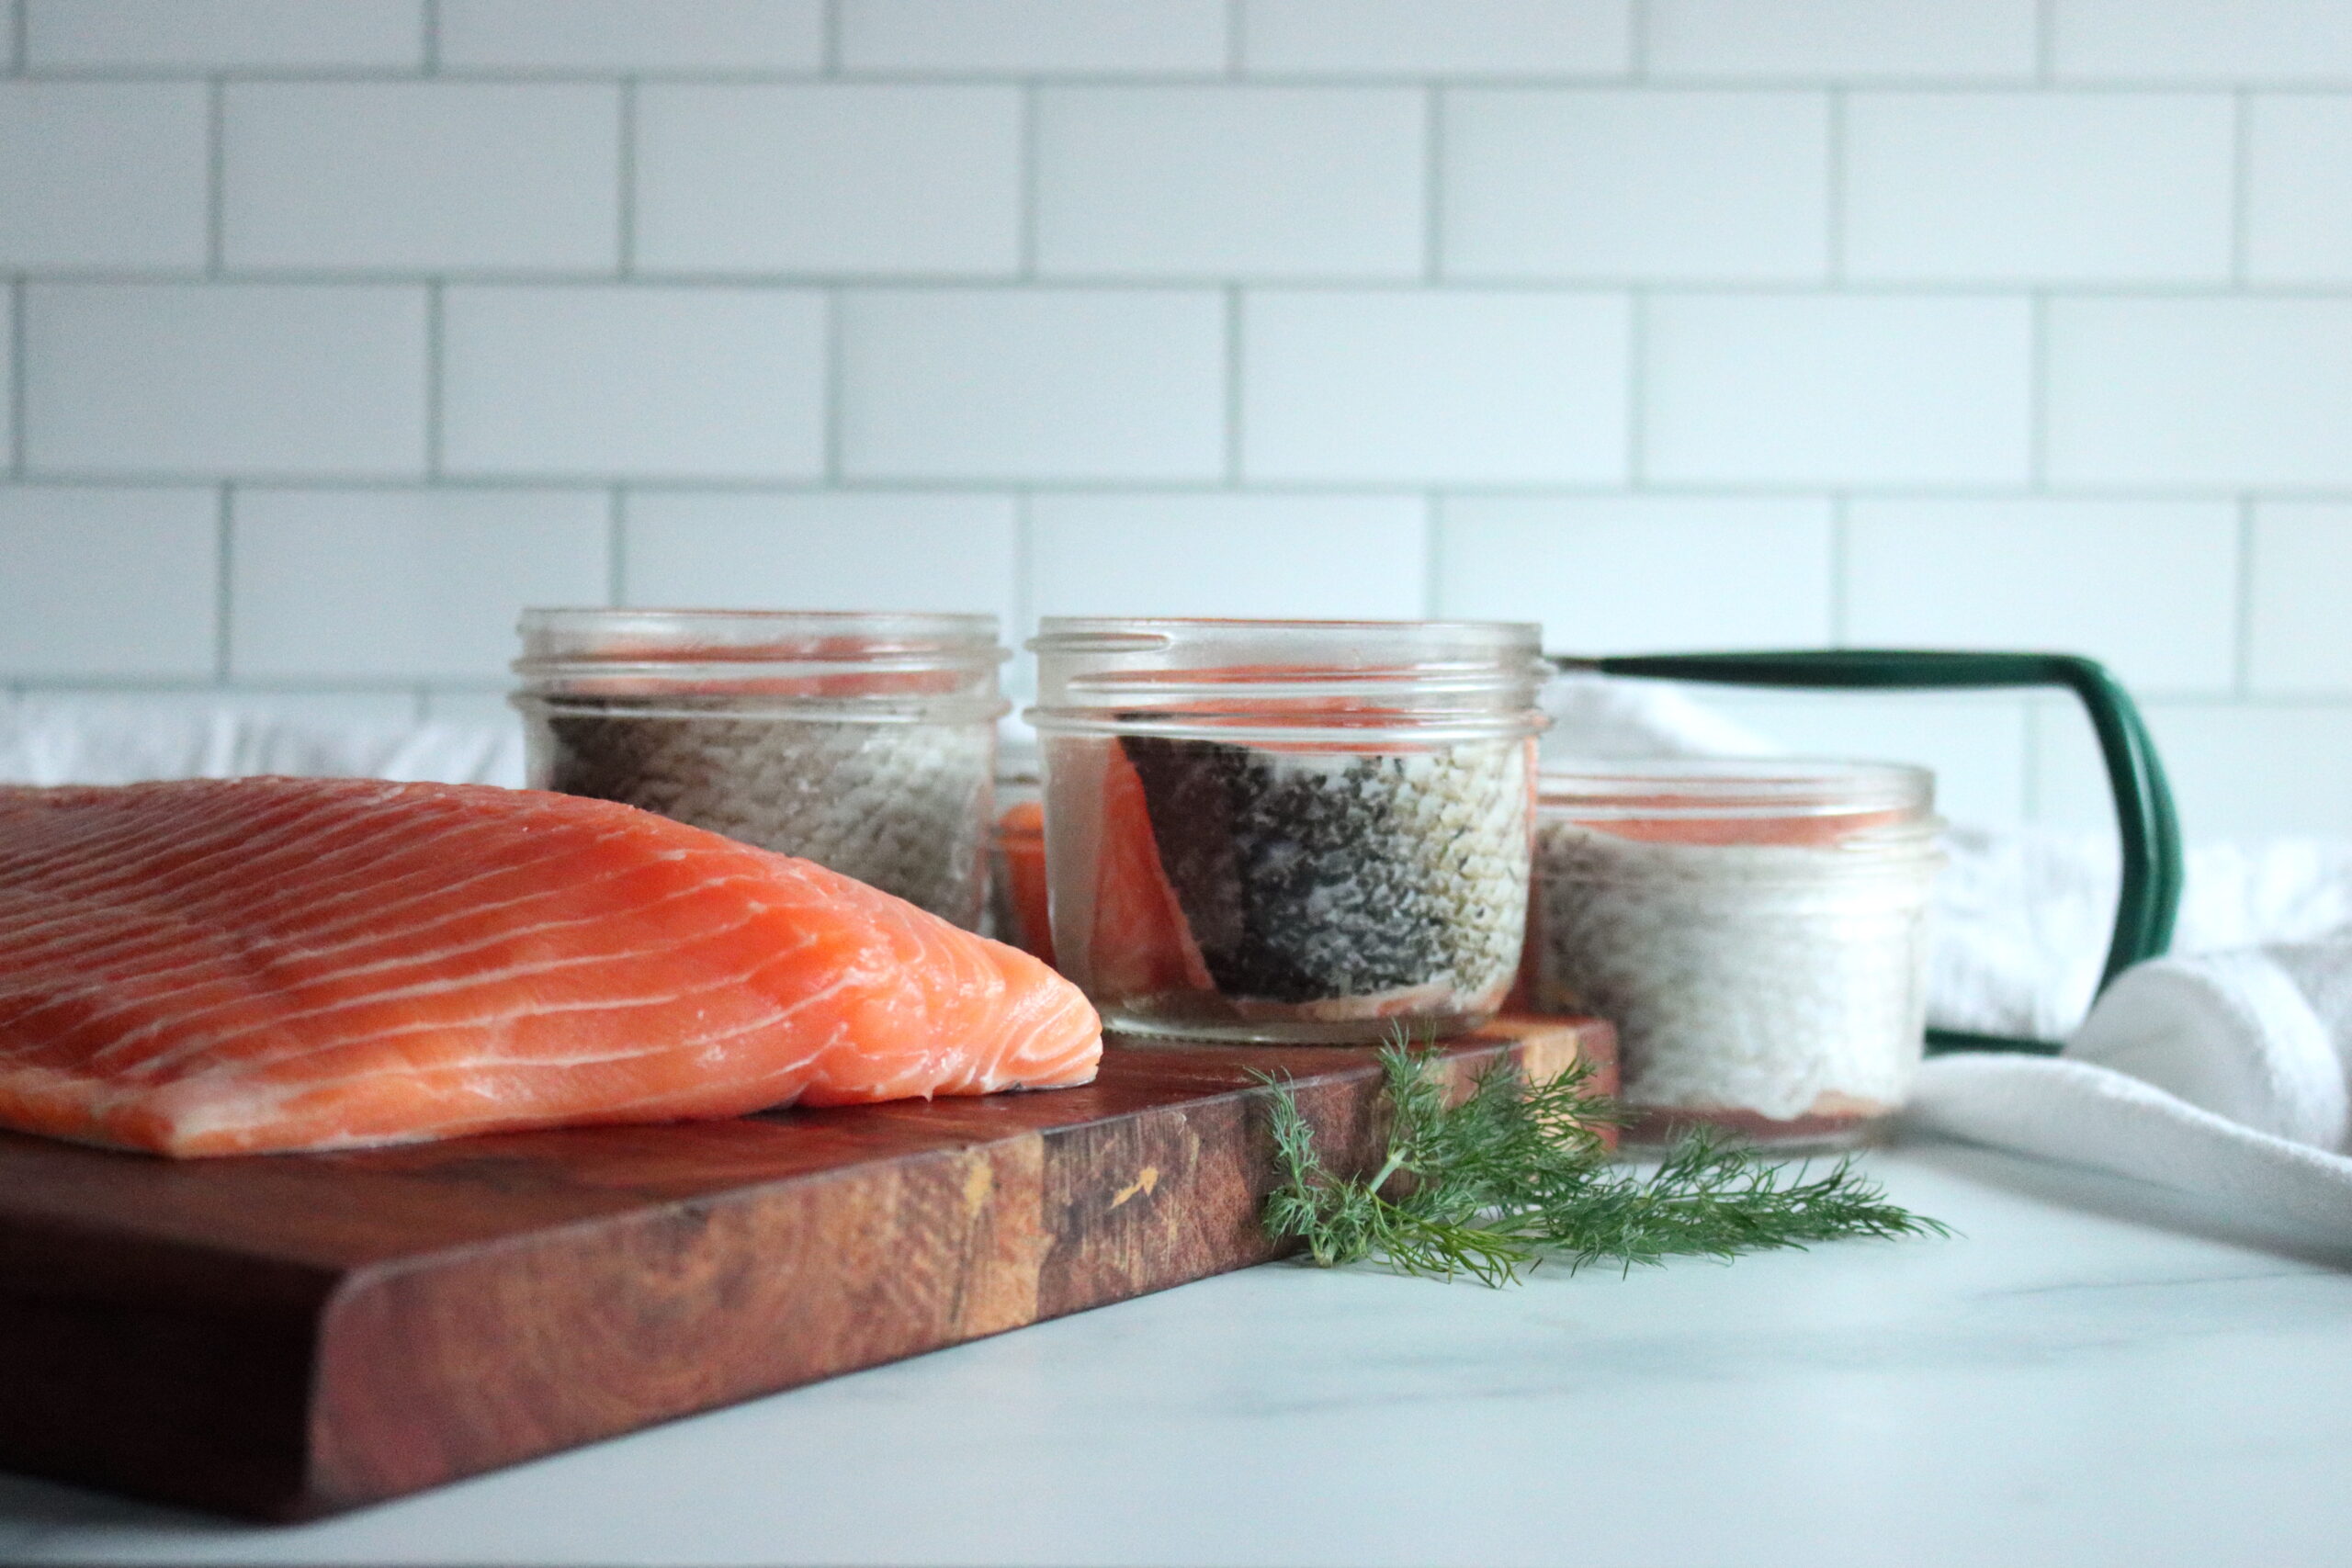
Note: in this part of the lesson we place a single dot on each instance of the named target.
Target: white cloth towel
(102, 744)
(2227, 1075)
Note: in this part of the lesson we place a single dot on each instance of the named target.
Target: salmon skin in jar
(1297, 831)
(865, 742)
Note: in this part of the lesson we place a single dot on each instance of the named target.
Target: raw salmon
(224, 967)
(1025, 908)
(1133, 940)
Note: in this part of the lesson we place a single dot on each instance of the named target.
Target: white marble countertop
(2066, 1382)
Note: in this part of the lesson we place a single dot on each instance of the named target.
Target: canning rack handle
(2150, 898)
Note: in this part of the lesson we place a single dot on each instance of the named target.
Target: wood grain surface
(285, 1335)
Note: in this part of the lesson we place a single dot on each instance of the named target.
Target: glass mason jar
(1288, 830)
(1017, 895)
(1756, 930)
(863, 742)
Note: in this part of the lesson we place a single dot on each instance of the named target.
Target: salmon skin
(235, 967)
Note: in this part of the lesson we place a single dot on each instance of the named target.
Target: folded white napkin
(2222, 1074)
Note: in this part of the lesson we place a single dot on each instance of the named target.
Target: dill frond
(1517, 1174)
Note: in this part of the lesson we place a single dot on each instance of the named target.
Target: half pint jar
(1288, 830)
(863, 742)
(1756, 930)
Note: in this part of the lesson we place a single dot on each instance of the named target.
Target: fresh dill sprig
(1517, 1174)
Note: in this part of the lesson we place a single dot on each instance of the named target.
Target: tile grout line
(1234, 23)
(2242, 651)
(1233, 410)
(436, 376)
(1433, 184)
(2240, 184)
(828, 57)
(1637, 40)
(429, 20)
(625, 180)
(20, 40)
(2045, 41)
(224, 548)
(216, 174)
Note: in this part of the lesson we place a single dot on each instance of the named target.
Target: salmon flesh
(234, 967)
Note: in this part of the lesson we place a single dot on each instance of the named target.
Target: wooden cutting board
(286, 1336)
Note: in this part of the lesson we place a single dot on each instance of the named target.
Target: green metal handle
(2150, 899)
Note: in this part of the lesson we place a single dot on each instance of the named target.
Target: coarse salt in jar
(863, 742)
(1756, 930)
(1288, 830)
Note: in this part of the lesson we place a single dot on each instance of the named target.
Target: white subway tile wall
(1635, 183)
(831, 178)
(1867, 40)
(1263, 182)
(223, 379)
(2302, 626)
(159, 36)
(1641, 574)
(2202, 40)
(642, 382)
(1432, 387)
(1795, 390)
(417, 176)
(2298, 189)
(1437, 37)
(109, 583)
(333, 335)
(2200, 393)
(951, 38)
(632, 35)
(1325, 556)
(1032, 384)
(2152, 585)
(2031, 187)
(403, 584)
(102, 175)
(904, 551)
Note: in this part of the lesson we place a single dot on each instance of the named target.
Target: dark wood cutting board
(286, 1336)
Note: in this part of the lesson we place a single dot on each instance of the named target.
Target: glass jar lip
(1252, 680)
(556, 636)
(1153, 634)
(1745, 787)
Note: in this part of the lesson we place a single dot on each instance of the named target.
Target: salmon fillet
(230, 967)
